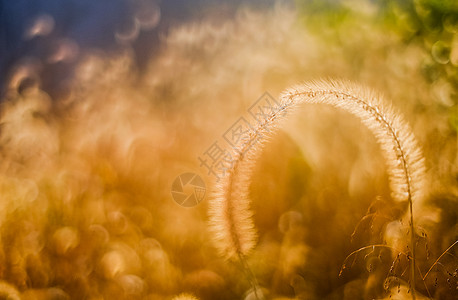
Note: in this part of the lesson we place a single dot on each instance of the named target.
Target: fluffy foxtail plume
(230, 214)
(184, 296)
(405, 164)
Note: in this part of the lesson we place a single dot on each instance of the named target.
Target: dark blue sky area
(92, 25)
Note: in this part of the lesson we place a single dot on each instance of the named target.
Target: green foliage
(322, 13)
(432, 24)
(429, 24)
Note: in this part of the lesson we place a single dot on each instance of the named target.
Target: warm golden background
(94, 132)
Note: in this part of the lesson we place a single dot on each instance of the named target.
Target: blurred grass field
(86, 207)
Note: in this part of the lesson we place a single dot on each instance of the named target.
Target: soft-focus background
(105, 103)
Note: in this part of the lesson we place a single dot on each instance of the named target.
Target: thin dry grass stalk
(230, 214)
(439, 258)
